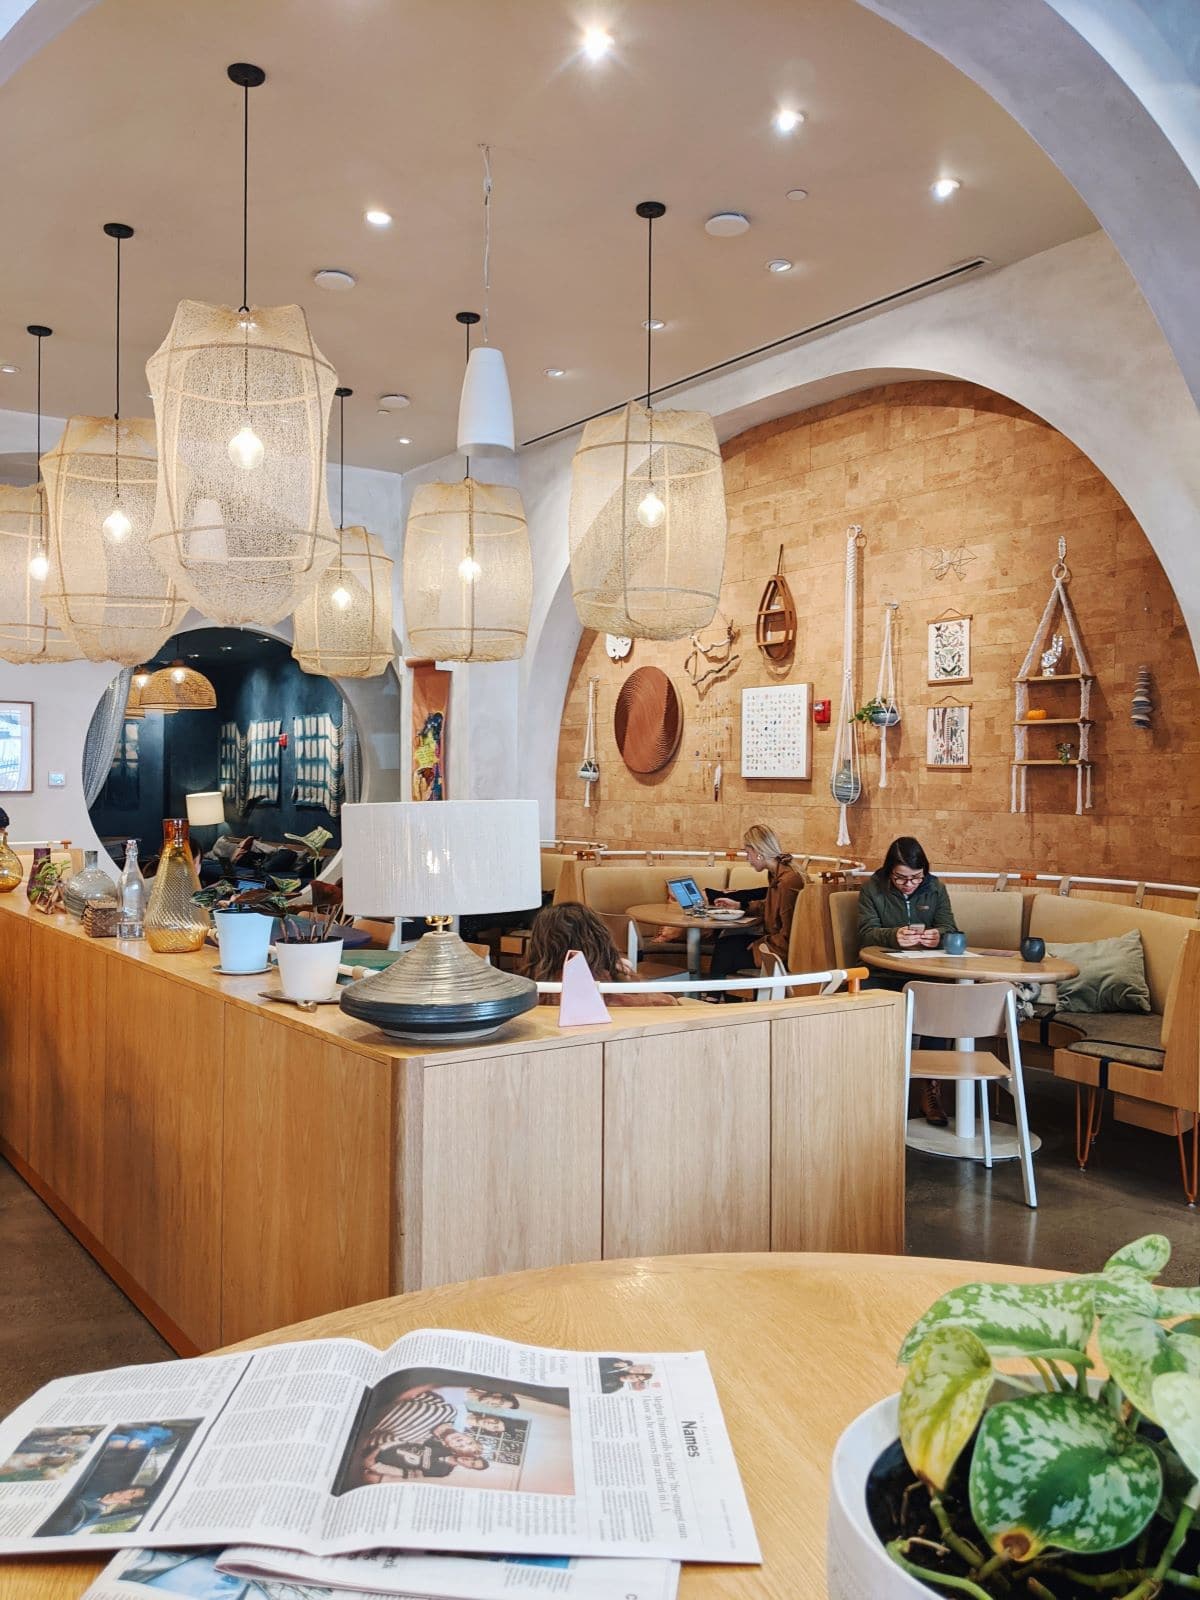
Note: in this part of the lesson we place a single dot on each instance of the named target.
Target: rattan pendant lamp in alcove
(343, 629)
(647, 520)
(104, 587)
(241, 402)
(177, 688)
(28, 632)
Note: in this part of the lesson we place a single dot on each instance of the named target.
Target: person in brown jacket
(764, 853)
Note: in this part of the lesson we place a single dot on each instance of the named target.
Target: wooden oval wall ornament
(775, 627)
(648, 721)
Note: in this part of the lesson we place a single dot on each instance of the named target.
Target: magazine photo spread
(447, 1442)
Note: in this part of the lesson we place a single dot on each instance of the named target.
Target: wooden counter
(237, 1165)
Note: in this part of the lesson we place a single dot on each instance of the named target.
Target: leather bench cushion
(1134, 1037)
(617, 888)
(1060, 920)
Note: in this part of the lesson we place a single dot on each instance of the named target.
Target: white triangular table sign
(581, 1002)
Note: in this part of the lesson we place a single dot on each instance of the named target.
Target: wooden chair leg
(1087, 1129)
(1189, 1170)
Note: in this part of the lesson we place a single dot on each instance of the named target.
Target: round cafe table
(798, 1345)
(670, 915)
(977, 966)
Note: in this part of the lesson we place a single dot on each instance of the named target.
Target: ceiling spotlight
(378, 219)
(944, 188)
(403, 441)
(779, 265)
(797, 194)
(596, 44)
(787, 121)
(727, 224)
(335, 279)
(555, 372)
(8, 369)
(393, 402)
(654, 324)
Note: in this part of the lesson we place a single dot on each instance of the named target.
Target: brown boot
(931, 1104)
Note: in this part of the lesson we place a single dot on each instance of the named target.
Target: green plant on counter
(1039, 1483)
(226, 896)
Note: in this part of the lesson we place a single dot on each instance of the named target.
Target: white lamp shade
(206, 809)
(444, 858)
(485, 414)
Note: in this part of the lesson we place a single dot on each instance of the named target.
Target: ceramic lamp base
(439, 992)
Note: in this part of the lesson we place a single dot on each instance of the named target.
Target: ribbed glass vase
(175, 925)
(91, 882)
(11, 871)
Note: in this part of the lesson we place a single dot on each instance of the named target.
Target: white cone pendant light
(485, 413)
(343, 629)
(103, 586)
(28, 631)
(241, 401)
(648, 524)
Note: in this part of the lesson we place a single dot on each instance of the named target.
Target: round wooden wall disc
(648, 721)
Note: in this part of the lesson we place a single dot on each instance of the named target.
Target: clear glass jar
(91, 882)
(11, 871)
(133, 896)
(174, 923)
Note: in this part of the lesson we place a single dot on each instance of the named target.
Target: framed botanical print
(950, 649)
(948, 738)
(16, 746)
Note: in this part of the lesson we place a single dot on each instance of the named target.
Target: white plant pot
(309, 971)
(859, 1568)
(243, 937)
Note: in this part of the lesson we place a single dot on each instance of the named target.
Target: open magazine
(333, 1448)
(249, 1573)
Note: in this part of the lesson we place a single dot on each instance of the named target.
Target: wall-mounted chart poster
(777, 731)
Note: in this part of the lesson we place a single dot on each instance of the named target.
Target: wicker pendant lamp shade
(647, 520)
(468, 572)
(178, 688)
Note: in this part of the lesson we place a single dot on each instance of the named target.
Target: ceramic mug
(954, 943)
(1033, 949)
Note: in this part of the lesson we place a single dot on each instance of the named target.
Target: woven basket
(101, 919)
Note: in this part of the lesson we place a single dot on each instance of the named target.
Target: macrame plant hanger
(885, 690)
(589, 767)
(845, 777)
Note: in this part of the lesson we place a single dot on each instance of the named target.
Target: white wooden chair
(971, 1010)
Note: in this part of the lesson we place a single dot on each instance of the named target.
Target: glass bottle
(133, 896)
(91, 882)
(41, 853)
(11, 871)
(174, 923)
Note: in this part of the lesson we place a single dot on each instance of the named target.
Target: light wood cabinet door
(14, 1034)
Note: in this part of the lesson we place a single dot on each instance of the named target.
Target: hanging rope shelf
(845, 777)
(775, 626)
(1041, 666)
(589, 767)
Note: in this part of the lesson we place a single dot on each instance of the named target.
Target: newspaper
(333, 1447)
(249, 1573)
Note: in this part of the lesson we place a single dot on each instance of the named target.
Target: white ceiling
(128, 116)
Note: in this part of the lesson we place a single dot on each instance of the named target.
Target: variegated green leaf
(945, 1390)
(1178, 1482)
(1178, 1302)
(1058, 1471)
(1122, 1289)
(1191, 1327)
(1146, 1256)
(1137, 1351)
(1013, 1319)
(1177, 1402)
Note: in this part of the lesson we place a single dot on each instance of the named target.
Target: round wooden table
(978, 966)
(669, 915)
(798, 1345)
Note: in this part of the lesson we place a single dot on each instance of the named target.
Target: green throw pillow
(1112, 975)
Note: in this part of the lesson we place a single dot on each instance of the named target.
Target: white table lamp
(439, 860)
(206, 809)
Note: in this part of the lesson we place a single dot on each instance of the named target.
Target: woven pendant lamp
(103, 586)
(241, 400)
(344, 627)
(28, 633)
(178, 688)
(647, 520)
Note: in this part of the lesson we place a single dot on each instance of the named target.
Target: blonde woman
(777, 908)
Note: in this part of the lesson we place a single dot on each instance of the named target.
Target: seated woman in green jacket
(902, 906)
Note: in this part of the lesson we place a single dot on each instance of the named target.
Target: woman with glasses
(902, 906)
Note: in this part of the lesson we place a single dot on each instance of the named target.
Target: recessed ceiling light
(797, 194)
(944, 188)
(787, 120)
(555, 372)
(9, 369)
(378, 219)
(779, 265)
(596, 43)
(403, 441)
(654, 325)
(727, 224)
(335, 279)
(393, 402)
(226, 647)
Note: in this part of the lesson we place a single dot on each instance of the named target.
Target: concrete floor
(60, 1314)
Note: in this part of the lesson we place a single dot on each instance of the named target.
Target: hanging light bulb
(340, 597)
(39, 565)
(117, 525)
(651, 510)
(469, 569)
(246, 449)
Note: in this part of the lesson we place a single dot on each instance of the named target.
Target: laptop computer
(686, 894)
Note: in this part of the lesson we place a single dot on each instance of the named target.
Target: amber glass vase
(11, 871)
(174, 923)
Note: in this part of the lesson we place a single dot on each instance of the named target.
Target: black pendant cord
(40, 332)
(468, 319)
(117, 353)
(341, 463)
(245, 305)
(649, 304)
(118, 231)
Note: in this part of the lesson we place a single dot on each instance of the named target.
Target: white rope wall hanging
(845, 776)
(887, 714)
(589, 767)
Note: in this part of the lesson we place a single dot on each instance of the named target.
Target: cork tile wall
(924, 467)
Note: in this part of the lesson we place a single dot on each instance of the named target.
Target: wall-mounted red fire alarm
(821, 710)
(283, 739)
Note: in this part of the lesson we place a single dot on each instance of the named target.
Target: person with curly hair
(570, 926)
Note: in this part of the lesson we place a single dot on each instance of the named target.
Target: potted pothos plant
(1042, 1480)
(309, 952)
(244, 918)
(880, 713)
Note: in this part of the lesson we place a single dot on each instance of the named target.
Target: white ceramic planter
(244, 937)
(309, 971)
(859, 1568)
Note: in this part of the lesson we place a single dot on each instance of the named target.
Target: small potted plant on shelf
(309, 952)
(244, 919)
(879, 713)
(1039, 1483)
